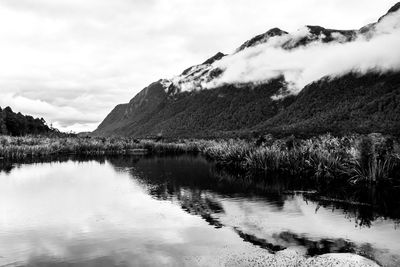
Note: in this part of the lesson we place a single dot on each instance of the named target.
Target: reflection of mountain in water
(200, 203)
(169, 175)
(250, 205)
(201, 189)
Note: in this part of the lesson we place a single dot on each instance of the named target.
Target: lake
(182, 211)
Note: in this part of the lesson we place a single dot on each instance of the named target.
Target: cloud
(378, 51)
(63, 116)
(89, 56)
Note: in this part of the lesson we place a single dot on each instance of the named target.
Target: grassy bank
(371, 158)
(356, 158)
(41, 146)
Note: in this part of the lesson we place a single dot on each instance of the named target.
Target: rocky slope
(201, 102)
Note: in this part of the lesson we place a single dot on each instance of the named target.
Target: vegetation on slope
(351, 103)
(348, 104)
(16, 124)
(199, 114)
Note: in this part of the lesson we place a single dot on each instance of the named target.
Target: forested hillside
(17, 124)
(351, 103)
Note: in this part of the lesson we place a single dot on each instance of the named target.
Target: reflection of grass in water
(362, 202)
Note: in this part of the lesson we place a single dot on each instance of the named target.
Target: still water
(178, 211)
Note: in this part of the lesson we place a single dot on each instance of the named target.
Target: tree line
(17, 124)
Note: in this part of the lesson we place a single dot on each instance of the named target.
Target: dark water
(182, 211)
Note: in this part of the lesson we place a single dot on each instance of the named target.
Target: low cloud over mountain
(313, 80)
(309, 54)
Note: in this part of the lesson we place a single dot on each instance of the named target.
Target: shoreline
(353, 159)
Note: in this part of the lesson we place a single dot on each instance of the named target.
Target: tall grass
(377, 160)
(41, 146)
(356, 158)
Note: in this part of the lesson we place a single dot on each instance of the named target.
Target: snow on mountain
(301, 57)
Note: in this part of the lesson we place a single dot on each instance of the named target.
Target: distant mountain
(195, 104)
(16, 124)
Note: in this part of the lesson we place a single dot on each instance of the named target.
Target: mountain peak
(214, 58)
(275, 32)
(261, 38)
(314, 29)
(393, 9)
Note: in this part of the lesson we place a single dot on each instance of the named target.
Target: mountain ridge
(184, 107)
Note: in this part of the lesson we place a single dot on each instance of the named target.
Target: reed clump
(377, 160)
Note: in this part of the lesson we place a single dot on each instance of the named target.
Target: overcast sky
(72, 61)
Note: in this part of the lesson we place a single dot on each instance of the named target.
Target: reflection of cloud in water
(84, 212)
(91, 213)
(298, 224)
(271, 221)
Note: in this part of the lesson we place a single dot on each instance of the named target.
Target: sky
(72, 61)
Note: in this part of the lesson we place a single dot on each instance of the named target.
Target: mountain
(16, 124)
(351, 103)
(206, 100)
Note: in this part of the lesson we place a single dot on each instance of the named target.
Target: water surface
(177, 211)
